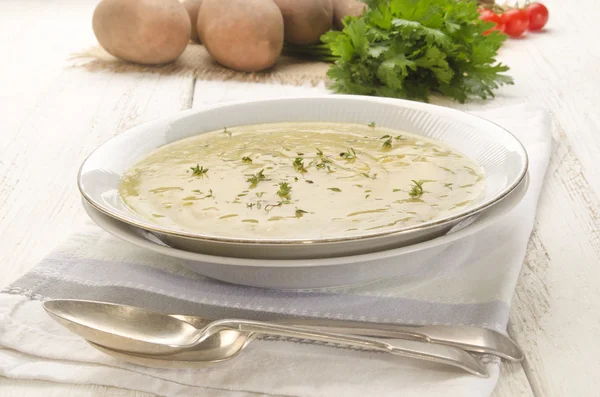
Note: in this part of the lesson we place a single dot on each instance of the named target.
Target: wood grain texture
(53, 116)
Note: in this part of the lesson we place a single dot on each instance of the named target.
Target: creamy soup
(300, 180)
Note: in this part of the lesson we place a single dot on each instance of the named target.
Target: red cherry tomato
(491, 16)
(516, 22)
(538, 16)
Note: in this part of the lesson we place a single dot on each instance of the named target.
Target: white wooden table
(52, 116)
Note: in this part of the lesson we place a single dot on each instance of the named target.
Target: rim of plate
(164, 249)
(470, 211)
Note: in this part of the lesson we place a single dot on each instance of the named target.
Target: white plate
(309, 273)
(498, 152)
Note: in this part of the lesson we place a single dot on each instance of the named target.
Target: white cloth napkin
(472, 283)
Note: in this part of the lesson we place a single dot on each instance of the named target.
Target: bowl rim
(454, 217)
(511, 202)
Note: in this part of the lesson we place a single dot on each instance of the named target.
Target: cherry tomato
(491, 16)
(516, 22)
(538, 16)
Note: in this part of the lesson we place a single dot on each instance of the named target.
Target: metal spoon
(472, 339)
(129, 329)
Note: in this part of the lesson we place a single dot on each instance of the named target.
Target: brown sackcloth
(195, 59)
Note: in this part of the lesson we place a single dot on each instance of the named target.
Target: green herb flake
(226, 131)
(387, 144)
(247, 160)
(198, 170)
(349, 154)
(284, 190)
(417, 189)
(300, 213)
(367, 175)
(256, 178)
(299, 165)
(372, 124)
(334, 189)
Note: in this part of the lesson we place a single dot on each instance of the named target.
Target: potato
(343, 8)
(192, 7)
(244, 35)
(142, 31)
(305, 21)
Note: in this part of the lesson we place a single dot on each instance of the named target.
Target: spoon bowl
(131, 329)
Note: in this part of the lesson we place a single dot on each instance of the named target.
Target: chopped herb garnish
(295, 179)
(197, 191)
(387, 144)
(247, 160)
(334, 189)
(198, 170)
(299, 165)
(400, 138)
(309, 181)
(260, 194)
(366, 175)
(372, 124)
(269, 207)
(250, 205)
(417, 190)
(300, 213)
(396, 190)
(226, 131)
(300, 154)
(448, 185)
(284, 190)
(256, 178)
(324, 160)
(349, 154)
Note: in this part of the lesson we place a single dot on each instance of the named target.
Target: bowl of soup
(304, 177)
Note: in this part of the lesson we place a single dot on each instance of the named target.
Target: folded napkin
(471, 283)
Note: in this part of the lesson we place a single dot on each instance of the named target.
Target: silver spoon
(137, 331)
(472, 339)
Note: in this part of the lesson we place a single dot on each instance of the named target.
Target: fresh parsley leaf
(415, 48)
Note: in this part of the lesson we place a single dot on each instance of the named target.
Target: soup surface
(300, 180)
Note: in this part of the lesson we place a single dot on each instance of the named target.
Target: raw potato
(142, 31)
(344, 8)
(192, 7)
(244, 35)
(305, 21)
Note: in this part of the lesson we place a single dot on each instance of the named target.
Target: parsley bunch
(412, 48)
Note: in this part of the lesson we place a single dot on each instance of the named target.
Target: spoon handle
(473, 339)
(406, 348)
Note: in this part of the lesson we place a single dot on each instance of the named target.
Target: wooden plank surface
(53, 116)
